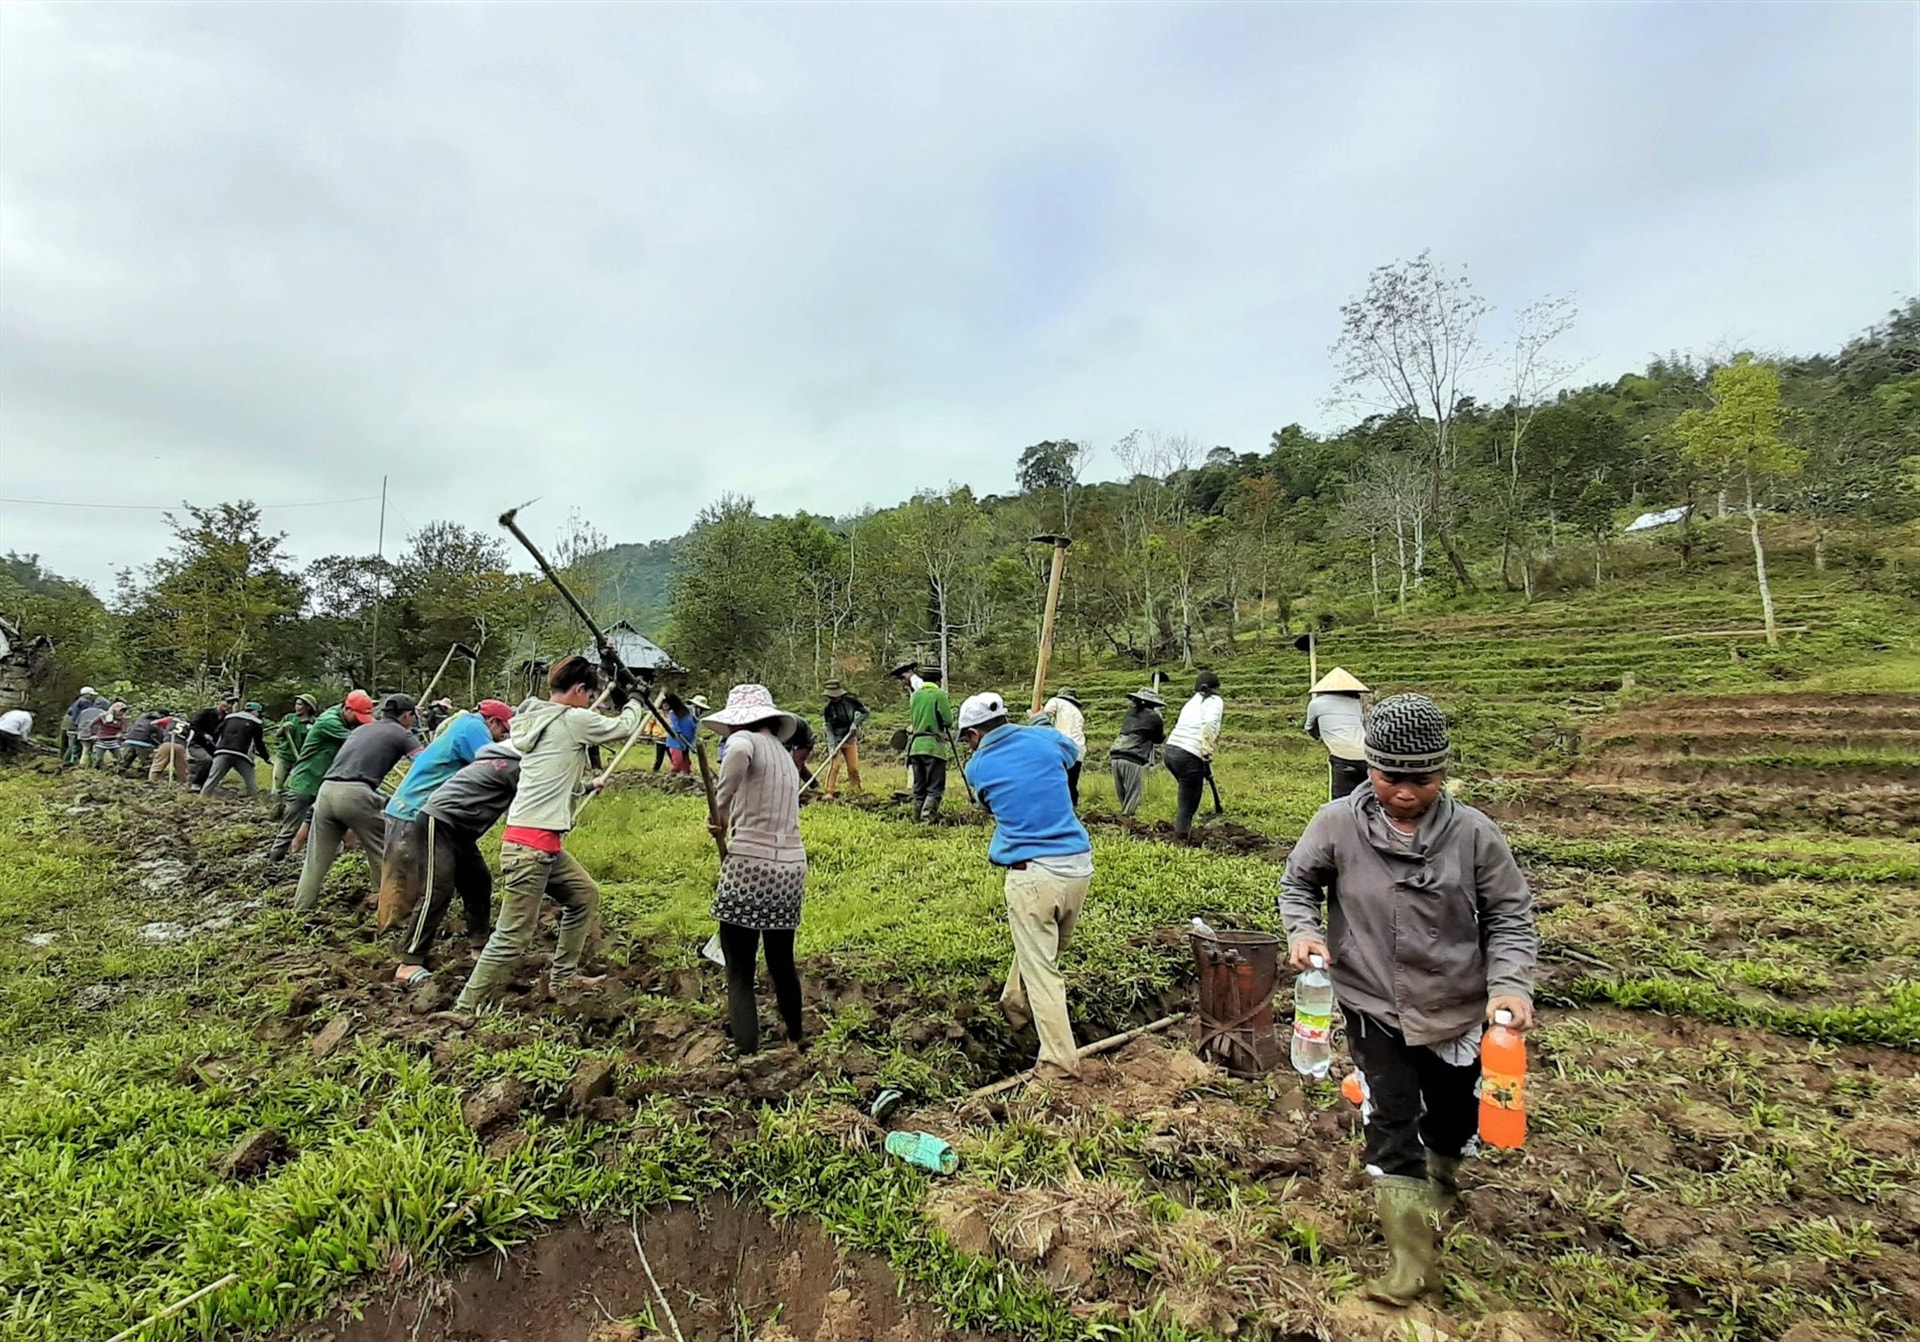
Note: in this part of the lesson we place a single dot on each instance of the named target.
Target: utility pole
(379, 553)
(1060, 544)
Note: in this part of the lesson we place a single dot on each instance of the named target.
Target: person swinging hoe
(1429, 932)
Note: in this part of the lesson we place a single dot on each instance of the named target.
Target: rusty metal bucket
(1238, 971)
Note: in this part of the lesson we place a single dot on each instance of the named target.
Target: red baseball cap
(360, 704)
(493, 708)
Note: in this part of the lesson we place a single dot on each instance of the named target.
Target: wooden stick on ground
(654, 1281)
(1106, 1045)
(176, 1307)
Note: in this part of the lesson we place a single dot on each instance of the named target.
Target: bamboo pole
(176, 1307)
(1060, 544)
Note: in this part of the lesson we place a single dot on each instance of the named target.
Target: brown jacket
(1421, 938)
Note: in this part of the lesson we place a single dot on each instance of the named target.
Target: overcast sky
(627, 257)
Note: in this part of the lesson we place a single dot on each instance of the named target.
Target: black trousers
(659, 755)
(1343, 776)
(929, 776)
(738, 944)
(1420, 1103)
(452, 865)
(1073, 783)
(1190, 777)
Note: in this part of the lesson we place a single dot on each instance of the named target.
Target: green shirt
(932, 714)
(288, 737)
(323, 741)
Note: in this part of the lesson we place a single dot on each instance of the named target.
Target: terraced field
(1726, 1084)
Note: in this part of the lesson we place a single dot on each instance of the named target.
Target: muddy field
(1726, 1111)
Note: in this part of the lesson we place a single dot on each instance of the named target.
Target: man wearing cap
(1019, 775)
(289, 734)
(239, 740)
(1063, 713)
(70, 746)
(407, 842)
(554, 736)
(325, 735)
(1429, 932)
(845, 715)
(1336, 718)
(350, 799)
(931, 713)
(1132, 751)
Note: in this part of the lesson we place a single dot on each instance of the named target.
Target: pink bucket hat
(750, 705)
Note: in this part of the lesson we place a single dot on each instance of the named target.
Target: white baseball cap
(981, 708)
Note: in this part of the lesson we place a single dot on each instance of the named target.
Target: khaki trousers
(1041, 911)
(850, 756)
(526, 876)
(340, 807)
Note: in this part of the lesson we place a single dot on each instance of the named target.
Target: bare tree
(1406, 345)
(942, 531)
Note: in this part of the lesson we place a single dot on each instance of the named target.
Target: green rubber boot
(1406, 1221)
(1443, 1172)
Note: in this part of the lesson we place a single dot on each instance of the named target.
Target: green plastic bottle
(923, 1149)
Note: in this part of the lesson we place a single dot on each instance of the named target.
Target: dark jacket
(146, 730)
(1140, 731)
(1419, 939)
(240, 734)
(370, 752)
(843, 714)
(802, 738)
(475, 798)
(203, 730)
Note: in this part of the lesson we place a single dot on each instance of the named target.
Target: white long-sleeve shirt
(1068, 720)
(1198, 729)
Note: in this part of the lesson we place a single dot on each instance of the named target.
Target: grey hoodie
(555, 740)
(479, 793)
(1419, 939)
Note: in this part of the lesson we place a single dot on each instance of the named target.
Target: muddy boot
(1406, 1211)
(1443, 1173)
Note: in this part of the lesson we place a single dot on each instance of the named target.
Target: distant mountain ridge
(634, 580)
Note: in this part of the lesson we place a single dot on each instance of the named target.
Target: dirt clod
(592, 1080)
(332, 1036)
(256, 1153)
(498, 1099)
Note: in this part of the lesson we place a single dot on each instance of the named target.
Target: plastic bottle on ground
(1313, 1020)
(923, 1149)
(1503, 1084)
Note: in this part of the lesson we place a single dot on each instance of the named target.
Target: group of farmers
(1409, 897)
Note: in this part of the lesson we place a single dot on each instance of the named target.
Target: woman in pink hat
(764, 876)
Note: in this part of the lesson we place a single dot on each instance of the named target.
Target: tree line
(1476, 459)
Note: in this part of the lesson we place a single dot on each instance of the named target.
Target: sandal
(411, 976)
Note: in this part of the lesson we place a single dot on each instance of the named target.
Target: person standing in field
(1062, 713)
(289, 734)
(686, 729)
(1429, 931)
(170, 756)
(845, 715)
(1190, 747)
(1019, 776)
(1336, 719)
(554, 737)
(800, 745)
(350, 799)
(109, 735)
(764, 878)
(1131, 754)
(931, 714)
(240, 740)
(325, 735)
(85, 726)
(404, 866)
(408, 845)
(456, 815)
(70, 746)
(143, 738)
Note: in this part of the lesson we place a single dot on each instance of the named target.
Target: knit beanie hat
(1407, 733)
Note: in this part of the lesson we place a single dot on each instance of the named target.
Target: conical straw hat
(1339, 681)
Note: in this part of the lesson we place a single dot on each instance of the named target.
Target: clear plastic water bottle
(1313, 1020)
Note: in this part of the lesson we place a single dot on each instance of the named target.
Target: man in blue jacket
(1019, 774)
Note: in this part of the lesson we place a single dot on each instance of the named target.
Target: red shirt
(544, 840)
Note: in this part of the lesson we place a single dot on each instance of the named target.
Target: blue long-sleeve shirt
(465, 738)
(1020, 775)
(684, 726)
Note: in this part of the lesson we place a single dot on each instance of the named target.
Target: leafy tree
(732, 592)
(1738, 438)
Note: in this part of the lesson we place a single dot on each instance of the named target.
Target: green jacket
(288, 737)
(932, 714)
(323, 741)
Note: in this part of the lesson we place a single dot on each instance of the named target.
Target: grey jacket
(1419, 939)
(475, 798)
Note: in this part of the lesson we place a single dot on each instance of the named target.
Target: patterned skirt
(760, 893)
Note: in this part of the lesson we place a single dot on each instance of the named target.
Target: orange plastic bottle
(1503, 1084)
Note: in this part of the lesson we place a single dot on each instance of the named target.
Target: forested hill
(635, 580)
